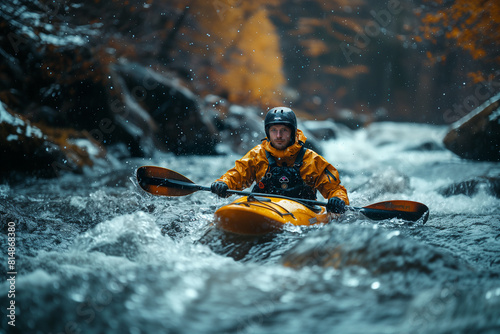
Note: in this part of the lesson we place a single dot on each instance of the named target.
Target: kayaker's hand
(335, 205)
(219, 188)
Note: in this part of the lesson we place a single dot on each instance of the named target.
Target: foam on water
(96, 253)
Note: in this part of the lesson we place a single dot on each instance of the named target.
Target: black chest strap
(298, 159)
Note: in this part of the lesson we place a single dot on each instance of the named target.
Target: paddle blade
(406, 210)
(161, 181)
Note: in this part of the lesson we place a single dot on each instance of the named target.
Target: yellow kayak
(257, 215)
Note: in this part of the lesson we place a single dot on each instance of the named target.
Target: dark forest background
(64, 64)
(401, 60)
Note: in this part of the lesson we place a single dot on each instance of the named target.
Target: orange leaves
(255, 70)
(476, 77)
(349, 72)
(477, 53)
(453, 34)
(308, 24)
(314, 47)
(470, 26)
(242, 47)
(433, 18)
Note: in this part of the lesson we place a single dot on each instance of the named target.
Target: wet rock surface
(42, 150)
(471, 187)
(477, 135)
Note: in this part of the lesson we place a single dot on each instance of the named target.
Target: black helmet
(281, 115)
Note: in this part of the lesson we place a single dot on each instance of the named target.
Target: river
(96, 254)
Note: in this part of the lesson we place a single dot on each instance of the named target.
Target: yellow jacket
(253, 166)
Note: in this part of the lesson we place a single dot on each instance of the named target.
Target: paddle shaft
(192, 186)
(162, 181)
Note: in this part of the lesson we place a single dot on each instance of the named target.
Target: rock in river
(42, 150)
(477, 135)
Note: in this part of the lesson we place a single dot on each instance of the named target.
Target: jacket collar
(290, 151)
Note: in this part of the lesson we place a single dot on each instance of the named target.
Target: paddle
(166, 182)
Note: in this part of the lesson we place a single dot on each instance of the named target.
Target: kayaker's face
(280, 136)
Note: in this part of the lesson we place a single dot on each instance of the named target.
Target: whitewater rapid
(95, 254)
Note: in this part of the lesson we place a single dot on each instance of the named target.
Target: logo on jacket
(284, 182)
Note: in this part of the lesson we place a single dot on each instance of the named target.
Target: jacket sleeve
(328, 184)
(243, 174)
(321, 175)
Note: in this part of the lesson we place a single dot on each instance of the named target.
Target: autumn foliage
(257, 52)
(470, 26)
(242, 49)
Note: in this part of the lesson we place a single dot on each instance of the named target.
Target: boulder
(158, 107)
(491, 184)
(467, 188)
(41, 150)
(477, 135)
(241, 128)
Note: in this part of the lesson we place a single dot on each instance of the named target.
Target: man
(282, 165)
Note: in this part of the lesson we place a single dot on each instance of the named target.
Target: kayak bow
(256, 215)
